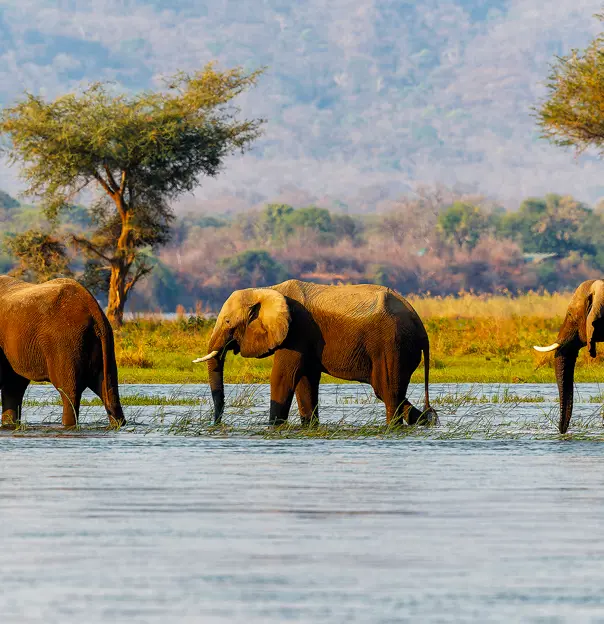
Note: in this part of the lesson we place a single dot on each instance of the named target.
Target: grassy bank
(473, 339)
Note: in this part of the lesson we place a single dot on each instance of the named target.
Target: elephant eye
(227, 321)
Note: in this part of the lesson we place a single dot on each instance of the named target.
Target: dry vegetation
(472, 306)
(474, 338)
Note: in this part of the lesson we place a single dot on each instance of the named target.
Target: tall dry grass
(472, 306)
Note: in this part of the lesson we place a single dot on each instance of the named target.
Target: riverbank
(475, 339)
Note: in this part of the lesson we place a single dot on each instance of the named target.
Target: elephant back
(352, 301)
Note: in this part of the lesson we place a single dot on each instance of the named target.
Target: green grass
(472, 350)
(126, 401)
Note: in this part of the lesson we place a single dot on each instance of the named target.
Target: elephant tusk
(546, 349)
(205, 358)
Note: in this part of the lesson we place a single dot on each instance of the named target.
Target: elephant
(583, 325)
(363, 332)
(55, 331)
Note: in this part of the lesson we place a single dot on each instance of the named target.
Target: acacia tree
(572, 115)
(136, 152)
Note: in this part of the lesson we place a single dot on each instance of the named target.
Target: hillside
(363, 99)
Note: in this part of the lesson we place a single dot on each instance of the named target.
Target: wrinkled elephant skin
(56, 332)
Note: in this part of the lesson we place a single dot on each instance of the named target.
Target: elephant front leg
(284, 379)
(71, 407)
(307, 395)
(13, 390)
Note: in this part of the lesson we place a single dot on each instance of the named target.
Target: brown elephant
(57, 332)
(363, 333)
(582, 326)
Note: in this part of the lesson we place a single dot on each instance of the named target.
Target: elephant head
(585, 310)
(253, 322)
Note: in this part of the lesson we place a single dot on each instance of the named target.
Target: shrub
(253, 268)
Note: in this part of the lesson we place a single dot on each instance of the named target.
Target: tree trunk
(120, 267)
(117, 294)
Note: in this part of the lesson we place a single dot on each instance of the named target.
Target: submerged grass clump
(477, 413)
(127, 400)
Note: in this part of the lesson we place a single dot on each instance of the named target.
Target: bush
(196, 323)
(463, 224)
(40, 256)
(253, 268)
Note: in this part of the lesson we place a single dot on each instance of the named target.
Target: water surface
(146, 526)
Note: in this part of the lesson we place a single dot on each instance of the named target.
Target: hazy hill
(364, 98)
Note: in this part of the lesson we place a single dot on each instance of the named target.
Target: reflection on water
(116, 527)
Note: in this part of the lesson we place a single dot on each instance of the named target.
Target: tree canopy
(136, 152)
(463, 224)
(254, 267)
(571, 116)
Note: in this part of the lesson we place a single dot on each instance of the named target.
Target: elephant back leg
(68, 363)
(307, 396)
(71, 396)
(65, 378)
(390, 381)
(13, 390)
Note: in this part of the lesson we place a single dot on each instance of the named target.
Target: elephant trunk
(215, 359)
(565, 373)
(219, 342)
(216, 377)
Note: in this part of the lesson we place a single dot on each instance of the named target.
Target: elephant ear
(268, 323)
(595, 309)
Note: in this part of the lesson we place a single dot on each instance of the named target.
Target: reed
(476, 413)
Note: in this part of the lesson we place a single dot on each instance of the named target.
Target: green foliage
(196, 324)
(254, 268)
(163, 285)
(79, 216)
(312, 218)
(95, 277)
(553, 224)
(345, 226)
(6, 262)
(274, 222)
(463, 224)
(278, 222)
(40, 256)
(572, 114)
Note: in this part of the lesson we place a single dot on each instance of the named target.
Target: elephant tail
(109, 384)
(426, 350)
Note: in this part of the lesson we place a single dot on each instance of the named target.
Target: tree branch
(123, 182)
(112, 182)
(140, 272)
(104, 184)
(83, 242)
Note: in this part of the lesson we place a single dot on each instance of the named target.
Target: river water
(491, 517)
